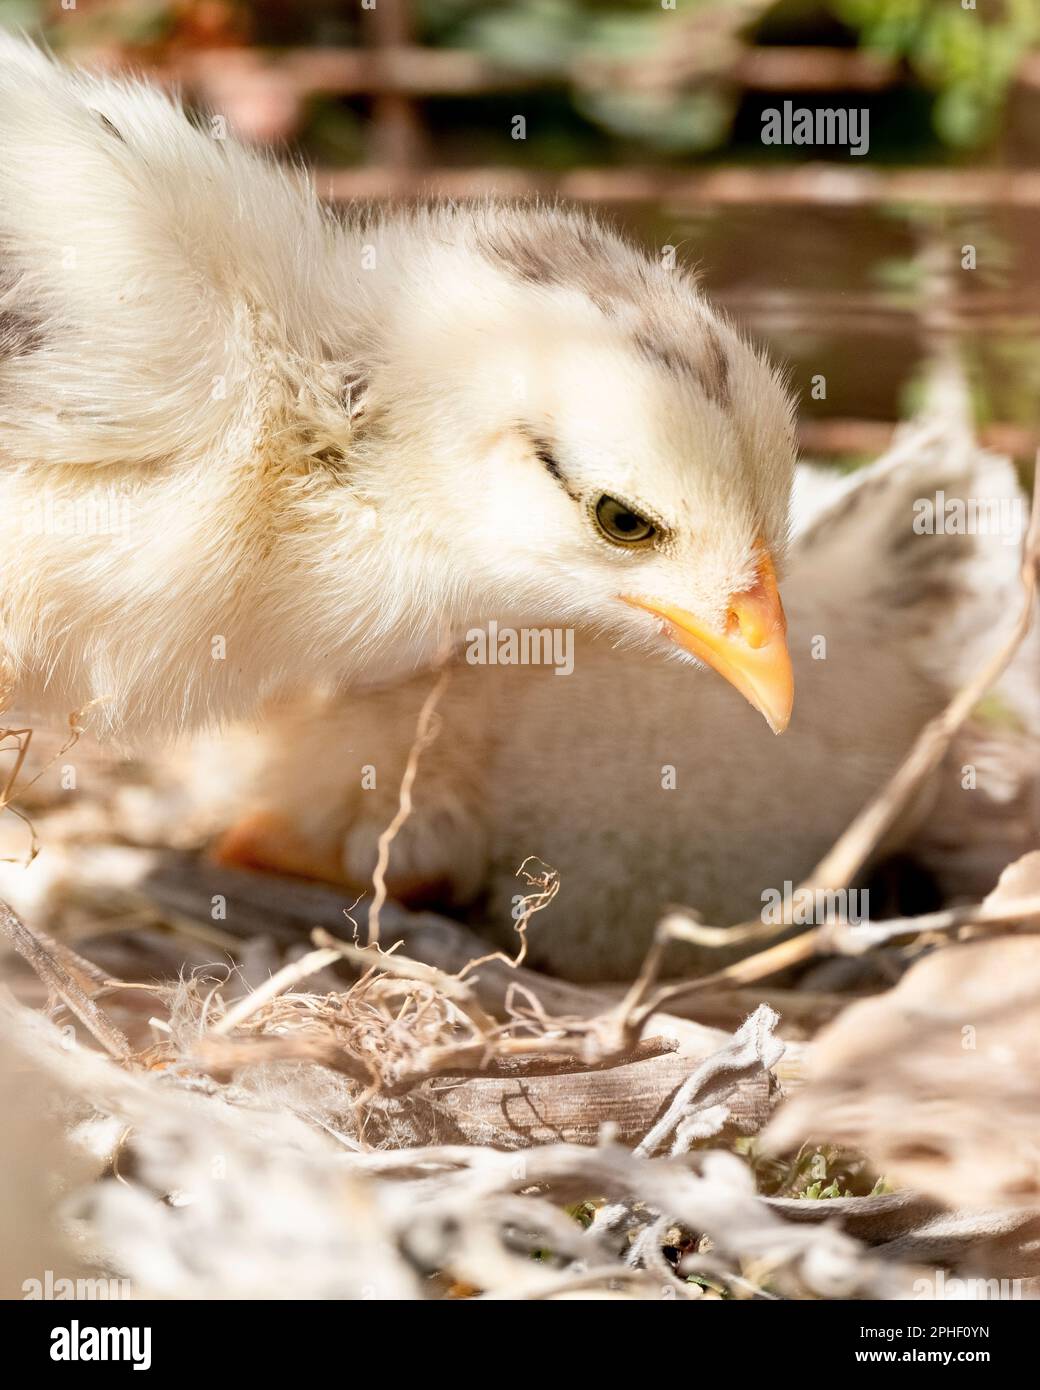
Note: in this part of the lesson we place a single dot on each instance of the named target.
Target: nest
(422, 1119)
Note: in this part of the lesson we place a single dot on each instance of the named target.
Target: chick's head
(595, 446)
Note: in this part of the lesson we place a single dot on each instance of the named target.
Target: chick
(639, 787)
(245, 443)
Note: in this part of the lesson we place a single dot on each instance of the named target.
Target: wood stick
(46, 958)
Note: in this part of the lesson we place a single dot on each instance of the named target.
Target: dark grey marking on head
(528, 260)
(714, 368)
(563, 255)
(622, 284)
(607, 307)
(663, 354)
(709, 368)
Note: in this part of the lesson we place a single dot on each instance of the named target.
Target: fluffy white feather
(315, 447)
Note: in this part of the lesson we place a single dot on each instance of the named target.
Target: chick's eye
(621, 524)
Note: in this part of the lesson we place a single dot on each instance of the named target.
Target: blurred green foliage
(968, 56)
(552, 37)
(964, 60)
(965, 57)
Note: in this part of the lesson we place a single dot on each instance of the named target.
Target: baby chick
(641, 788)
(245, 443)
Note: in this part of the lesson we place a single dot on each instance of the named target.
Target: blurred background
(651, 110)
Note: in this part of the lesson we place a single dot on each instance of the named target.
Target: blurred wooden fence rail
(410, 70)
(396, 75)
(813, 185)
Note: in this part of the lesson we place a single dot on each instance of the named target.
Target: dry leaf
(936, 1080)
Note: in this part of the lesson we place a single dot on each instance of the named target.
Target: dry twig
(65, 974)
(426, 731)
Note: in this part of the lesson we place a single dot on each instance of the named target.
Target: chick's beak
(751, 652)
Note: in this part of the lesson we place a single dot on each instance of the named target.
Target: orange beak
(751, 652)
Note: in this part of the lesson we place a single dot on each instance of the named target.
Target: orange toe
(268, 841)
